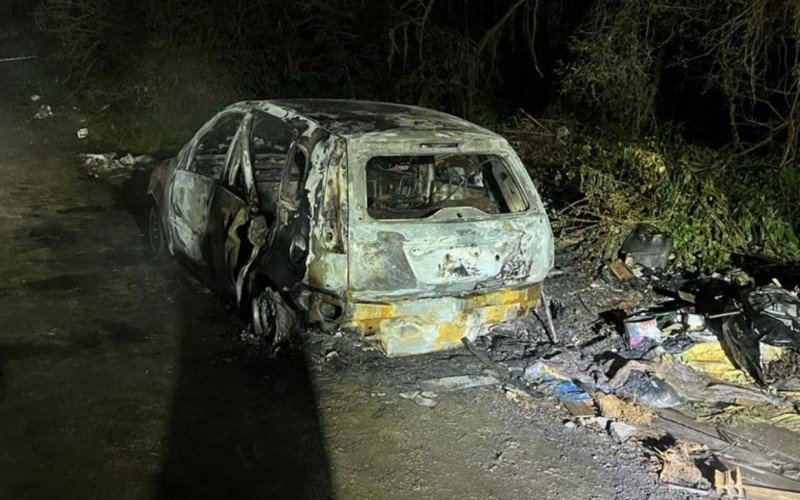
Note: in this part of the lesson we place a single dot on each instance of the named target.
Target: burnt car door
(244, 205)
(193, 187)
(285, 262)
(228, 217)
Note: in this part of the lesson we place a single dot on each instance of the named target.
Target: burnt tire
(273, 319)
(155, 232)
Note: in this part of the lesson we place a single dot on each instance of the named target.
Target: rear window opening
(415, 187)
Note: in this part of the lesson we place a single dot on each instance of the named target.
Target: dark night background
(709, 91)
(116, 370)
(482, 60)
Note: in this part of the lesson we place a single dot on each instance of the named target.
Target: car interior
(270, 140)
(412, 187)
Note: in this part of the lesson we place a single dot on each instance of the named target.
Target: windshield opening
(415, 187)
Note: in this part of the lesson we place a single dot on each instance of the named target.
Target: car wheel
(155, 232)
(273, 320)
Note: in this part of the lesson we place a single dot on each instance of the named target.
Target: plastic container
(637, 328)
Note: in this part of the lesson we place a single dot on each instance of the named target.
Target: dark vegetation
(682, 114)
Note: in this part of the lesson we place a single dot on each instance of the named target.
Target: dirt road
(120, 378)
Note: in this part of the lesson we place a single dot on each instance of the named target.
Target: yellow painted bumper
(416, 326)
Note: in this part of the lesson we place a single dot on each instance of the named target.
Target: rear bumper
(415, 326)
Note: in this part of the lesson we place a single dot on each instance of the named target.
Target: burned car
(410, 226)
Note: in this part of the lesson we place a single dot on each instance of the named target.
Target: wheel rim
(272, 319)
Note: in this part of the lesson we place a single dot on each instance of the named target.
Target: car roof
(350, 118)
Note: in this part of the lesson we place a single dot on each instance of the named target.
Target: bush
(712, 203)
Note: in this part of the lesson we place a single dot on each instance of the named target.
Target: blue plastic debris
(566, 391)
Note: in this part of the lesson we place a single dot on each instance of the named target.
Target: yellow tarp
(710, 359)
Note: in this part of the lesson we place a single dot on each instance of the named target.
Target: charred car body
(410, 226)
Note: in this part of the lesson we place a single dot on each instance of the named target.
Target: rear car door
(194, 184)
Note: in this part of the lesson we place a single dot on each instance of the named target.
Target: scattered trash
(422, 398)
(128, 160)
(521, 397)
(620, 270)
(82, 133)
(567, 390)
(35, 97)
(765, 339)
(615, 408)
(44, 112)
(147, 160)
(677, 466)
(730, 483)
(536, 372)
(648, 247)
(425, 401)
(457, 382)
(671, 353)
(687, 296)
(702, 336)
(100, 165)
(693, 322)
(651, 391)
(638, 328)
(107, 165)
(710, 359)
(576, 400)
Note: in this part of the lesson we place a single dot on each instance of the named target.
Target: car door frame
(292, 228)
(234, 241)
(194, 252)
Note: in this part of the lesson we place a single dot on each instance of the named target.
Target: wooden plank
(732, 483)
(620, 270)
(580, 410)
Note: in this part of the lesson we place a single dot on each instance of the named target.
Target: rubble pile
(107, 165)
(678, 364)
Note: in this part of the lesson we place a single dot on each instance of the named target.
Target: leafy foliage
(708, 201)
(747, 50)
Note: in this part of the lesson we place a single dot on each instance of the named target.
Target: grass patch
(156, 101)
